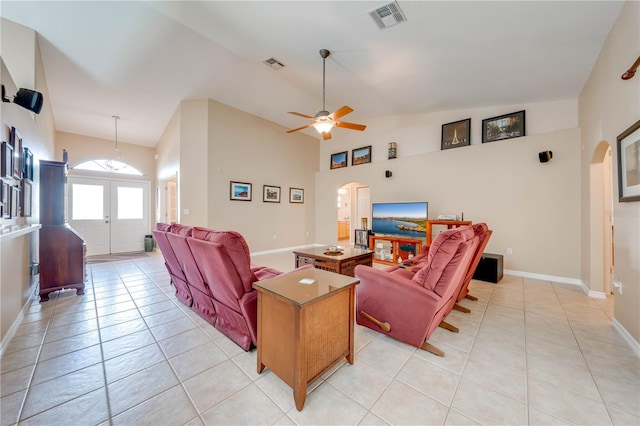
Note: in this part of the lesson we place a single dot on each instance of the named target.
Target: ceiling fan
(324, 121)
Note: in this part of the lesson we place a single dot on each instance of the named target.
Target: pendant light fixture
(113, 165)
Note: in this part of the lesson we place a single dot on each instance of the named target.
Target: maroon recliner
(225, 263)
(201, 293)
(408, 306)
(178, 279)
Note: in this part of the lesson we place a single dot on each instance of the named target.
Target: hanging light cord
(116, 118)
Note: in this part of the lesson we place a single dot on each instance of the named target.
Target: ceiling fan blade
(299, 128)
(340, 112)
(326, 136)
(302, 115)
(352, 126)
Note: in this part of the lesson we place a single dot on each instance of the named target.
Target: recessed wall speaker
(545, 156)
(29, 99)
(388, 173)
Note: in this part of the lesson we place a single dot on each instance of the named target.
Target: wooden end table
(305, 329)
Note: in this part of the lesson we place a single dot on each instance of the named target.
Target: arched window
(109, 166)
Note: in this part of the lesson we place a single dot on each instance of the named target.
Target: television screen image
(401, 219)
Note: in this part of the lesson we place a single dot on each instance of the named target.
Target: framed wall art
(339, 160)
(629, 164)
(6, 200)
(270, 194)
(26, 198)
(361, 155)
(296, 195)
(16, 143)
(27, 168)
(240, 191)
(503, 127)
(15, 201)
(456, 134)
(7, 160)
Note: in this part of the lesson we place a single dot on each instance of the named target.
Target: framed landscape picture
(7, 159)
(296, 195)
(629, 164)
(16, 143)
(339, 160)
(456, 134)
(361, 155)
(240, 191)
(270, 194)
(503, 127)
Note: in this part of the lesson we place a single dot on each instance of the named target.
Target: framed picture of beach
(629, 164)
(240, 191)
(296, 195)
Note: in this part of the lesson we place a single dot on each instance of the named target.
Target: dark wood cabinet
(62, 250)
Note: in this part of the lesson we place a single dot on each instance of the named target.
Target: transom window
(109, 166)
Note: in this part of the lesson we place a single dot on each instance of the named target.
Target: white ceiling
(140, 59)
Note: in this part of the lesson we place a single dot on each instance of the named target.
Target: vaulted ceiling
(139, 59)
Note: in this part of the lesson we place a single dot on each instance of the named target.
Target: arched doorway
(601, 222)
(353, 203)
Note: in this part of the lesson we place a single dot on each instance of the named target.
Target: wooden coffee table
(304, 329)
(343, 264)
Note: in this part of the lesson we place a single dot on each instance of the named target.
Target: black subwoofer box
(489, 268)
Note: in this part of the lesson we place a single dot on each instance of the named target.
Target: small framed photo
(15, 201)
(4, 197)
(361, 239)
(270, 194)
(361, 155)
(240, 191)
(16, 143)
(26, 198)
(7, 159)
(629, 164)
(296, 195)
(503, 127)
(456, 134)
(27, 168)
(339, 160)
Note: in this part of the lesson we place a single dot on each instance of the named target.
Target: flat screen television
(400, 219)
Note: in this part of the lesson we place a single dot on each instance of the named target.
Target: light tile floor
(128, 353)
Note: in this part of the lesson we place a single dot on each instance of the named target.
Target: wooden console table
(340, 263)
(396, 248)
(448, 223)
(304, 329)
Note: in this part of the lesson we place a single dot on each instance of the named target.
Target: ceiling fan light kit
(324, 120)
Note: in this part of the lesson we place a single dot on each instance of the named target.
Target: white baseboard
(280, 250)
(16, 323)
(561, 280)
(633, 344)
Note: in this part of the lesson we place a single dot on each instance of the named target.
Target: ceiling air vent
(388, 15)
(273, 63)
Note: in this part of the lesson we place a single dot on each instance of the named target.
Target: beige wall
(16, 285)
(607, 106)
(85, 148)
(533, 208)
(168, 149)
(246, 148)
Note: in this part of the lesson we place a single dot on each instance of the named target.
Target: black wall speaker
(388, 173)
(29, 99)
(545, 156)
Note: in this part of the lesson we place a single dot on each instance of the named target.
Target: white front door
(111, 215)
(129, 215)
(89, 205)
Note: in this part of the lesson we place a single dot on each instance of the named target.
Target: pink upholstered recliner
(178, 279)
(225, 263)
(408, 306)
(483, 233)
(201, 293)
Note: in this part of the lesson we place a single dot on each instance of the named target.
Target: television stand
(387, 249)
